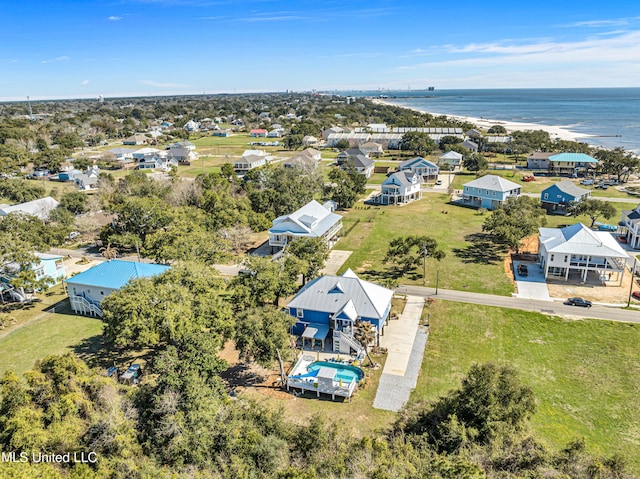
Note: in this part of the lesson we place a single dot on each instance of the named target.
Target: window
(546, 196)
(551, 259)
(493, 193)
(300, 313)
(566, 258)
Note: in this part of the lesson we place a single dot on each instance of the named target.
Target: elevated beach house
(399, 188)
(572, 164)
(557, 197)
(88, 289)
(630, 223)
(330, 306)
(426, 170)
(489, 192)
(313, 220)
(452, 159)
(579, 253)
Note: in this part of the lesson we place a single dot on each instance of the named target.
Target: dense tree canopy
(515, 219)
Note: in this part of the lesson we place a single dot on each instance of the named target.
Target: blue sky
(84, 48)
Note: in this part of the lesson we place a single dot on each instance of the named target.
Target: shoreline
(555, 132)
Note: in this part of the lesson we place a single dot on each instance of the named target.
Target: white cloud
(114, 18)
(84, 82)
(163, 84)
(612, 22)
(62, 58)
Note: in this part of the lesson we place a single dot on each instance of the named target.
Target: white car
(438, 183)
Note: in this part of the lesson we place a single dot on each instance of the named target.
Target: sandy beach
(555, 132)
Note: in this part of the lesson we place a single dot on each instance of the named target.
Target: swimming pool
(345, 372)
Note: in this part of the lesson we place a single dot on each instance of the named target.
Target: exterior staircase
(351, 341)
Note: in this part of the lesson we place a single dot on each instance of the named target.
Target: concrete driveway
(335, 261)
(532, 286)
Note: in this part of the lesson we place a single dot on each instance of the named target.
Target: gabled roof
(494, 183)
(400, 178)
(312, 220)
(115, 274)
(451, 155)
(541, 155)
(40, 208)
(573, 157)
(568, 187)
(418, 161)
(361, 161)
(354, 296)
(580, 240)
(633, 215)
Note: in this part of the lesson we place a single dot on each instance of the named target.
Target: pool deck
(335, 388)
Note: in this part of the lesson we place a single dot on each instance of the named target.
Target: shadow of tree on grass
(482, 250)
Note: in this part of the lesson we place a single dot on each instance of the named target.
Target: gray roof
(362, 161)
(403, 177)
(409, 163)
(577, 239)
(494, 183)
(570, 188)
(332, 294)
(40, 208)
(312, 220)
(632, 215)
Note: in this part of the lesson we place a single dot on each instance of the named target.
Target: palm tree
(109, 252)
(365, 334)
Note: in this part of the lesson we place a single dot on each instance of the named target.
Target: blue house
(425, 169)
(51, 266)
(557, 197)
(87, 290)
(331, 305)
(489, 192)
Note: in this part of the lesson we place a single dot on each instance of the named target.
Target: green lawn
(585, 374)
(472, 263)
(50, 334)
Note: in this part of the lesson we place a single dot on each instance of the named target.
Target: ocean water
(612, 115)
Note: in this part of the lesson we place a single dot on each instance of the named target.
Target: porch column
(566, 274)
(584, 275)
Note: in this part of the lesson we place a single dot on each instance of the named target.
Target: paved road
(598, 311)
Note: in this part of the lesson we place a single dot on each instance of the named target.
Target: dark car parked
(636, 295)
(578, 302)
(523, 270)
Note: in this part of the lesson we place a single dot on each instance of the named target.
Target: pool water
(345, 372)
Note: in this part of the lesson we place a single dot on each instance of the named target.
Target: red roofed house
(258, 133)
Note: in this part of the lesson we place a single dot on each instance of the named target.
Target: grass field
(472, 263)
(50, 334)
(585, 374)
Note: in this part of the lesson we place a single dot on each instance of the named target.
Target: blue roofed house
(489, 192)
(400, 187)
(313, 220)
(557, 197)
(572, 164)
(425, 169)
(329, 306)
(88, 289)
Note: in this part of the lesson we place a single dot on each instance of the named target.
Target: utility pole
(425, 252)
(633, 272)
(437, 279)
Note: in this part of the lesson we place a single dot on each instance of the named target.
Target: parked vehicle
(621, 239)
(578, 302)
(132, 375)
(438, 183)
(606, 227)
(529, 178)
(636, 295)
(586, 181)
(523, 270)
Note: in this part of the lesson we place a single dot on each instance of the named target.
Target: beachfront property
(313, 220)
(426, 170)
(562, 164)
(557, 197)
(630, 225)
(578, 253)
(87, 290)
(329, 307)
(489, 192)
(40, 208)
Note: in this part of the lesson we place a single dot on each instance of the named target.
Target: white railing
(81, 306)
(350, 341)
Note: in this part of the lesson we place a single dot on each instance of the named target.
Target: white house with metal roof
(451, 158)
(313, 220)
(40, 208)
(399, 188)
(489, 192)
(331, 305)
(577, 251)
